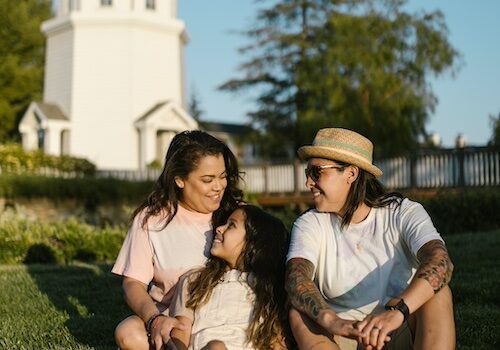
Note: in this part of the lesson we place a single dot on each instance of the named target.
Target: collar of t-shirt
(193, 215)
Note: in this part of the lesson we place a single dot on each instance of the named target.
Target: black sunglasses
(314, 171)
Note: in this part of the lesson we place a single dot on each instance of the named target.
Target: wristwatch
(401, 307)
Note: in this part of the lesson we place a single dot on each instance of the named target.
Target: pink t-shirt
(160, 256)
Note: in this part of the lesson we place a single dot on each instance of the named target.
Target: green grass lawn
(78, 306)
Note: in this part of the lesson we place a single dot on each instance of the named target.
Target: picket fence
(429, 169)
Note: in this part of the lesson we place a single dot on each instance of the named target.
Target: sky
(465, 102)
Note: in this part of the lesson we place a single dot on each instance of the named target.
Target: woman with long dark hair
(172, 232)
(237, 301)
(364, 264)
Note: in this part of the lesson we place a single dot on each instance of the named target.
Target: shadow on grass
(90, 295)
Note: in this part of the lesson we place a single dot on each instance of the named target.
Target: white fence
(477, 166)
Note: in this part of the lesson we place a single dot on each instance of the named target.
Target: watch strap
(401, 307)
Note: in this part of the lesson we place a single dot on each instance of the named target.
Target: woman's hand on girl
(160, 331)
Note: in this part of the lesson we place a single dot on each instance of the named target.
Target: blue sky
(465, 101)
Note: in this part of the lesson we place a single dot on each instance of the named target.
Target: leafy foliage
(194, 105)
(468, 210)
(359, 64)
(64, 242)
(13, 159)
(90, 191)
(21, 60)
(495, 125)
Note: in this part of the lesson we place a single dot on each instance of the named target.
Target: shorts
(401, 339)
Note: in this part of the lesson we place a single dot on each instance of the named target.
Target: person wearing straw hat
(366, 269)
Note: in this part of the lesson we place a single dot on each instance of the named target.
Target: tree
(495, 126)
(359, 64)
(194, 105)
(21, 60)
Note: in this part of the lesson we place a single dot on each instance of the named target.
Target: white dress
(224, 317)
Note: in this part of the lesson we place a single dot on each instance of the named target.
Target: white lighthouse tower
(114, 83)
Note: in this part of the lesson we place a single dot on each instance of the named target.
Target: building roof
(151, 111)
(51, 111)
(229, 128)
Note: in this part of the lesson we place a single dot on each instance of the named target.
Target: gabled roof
(229, 128)
(151, 111)
(51, 111)
(156, 115)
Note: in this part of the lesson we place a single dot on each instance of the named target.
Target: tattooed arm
(435, 264)
(433, 273)
(302, 291)
(306, 298)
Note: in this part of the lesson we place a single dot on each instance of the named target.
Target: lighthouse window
(106, 2)
(150, 4)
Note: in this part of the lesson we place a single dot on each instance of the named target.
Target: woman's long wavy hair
(264, 254)
(366, 189)
(183, 156)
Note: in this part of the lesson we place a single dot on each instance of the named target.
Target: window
(150, 4)
(106, 2)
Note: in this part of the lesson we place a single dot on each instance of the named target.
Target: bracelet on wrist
(150, 323)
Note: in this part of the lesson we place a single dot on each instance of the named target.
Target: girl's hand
(161, 328)
(377, 327)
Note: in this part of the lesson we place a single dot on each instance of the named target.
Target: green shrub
(40, 253)
(467, 210)
(13, 159)
(64, 242)
(88, 190)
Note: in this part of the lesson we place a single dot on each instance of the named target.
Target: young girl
(237, 300)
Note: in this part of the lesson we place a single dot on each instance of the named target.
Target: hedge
(88, 190)
(13, 159)
(467, 210)
(23, 241)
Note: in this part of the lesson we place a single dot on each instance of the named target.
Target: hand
(160, 331)
(344, 328)
(377, 327)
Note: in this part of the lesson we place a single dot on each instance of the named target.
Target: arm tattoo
(303, 293)
(435, 264)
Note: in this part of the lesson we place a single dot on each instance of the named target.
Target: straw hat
(344, 146)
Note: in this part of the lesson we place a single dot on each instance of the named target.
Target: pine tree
(359, 64)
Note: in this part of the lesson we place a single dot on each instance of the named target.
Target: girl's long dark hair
(366, 189)
(183, 156)
(264, 255)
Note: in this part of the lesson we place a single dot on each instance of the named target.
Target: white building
(114, 83)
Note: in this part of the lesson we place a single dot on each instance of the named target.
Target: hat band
(346, 153)
(329, 143)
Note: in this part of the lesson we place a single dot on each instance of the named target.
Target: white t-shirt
(225, 317)
(161, 255)
(357, 270)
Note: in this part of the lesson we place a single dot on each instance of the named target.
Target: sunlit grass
(78, 306)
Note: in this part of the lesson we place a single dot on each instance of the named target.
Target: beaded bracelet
(150, 322)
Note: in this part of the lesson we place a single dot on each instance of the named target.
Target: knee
(128, 336)
(215, 345)
(295, 319)
(443, 299)
(301, 325)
